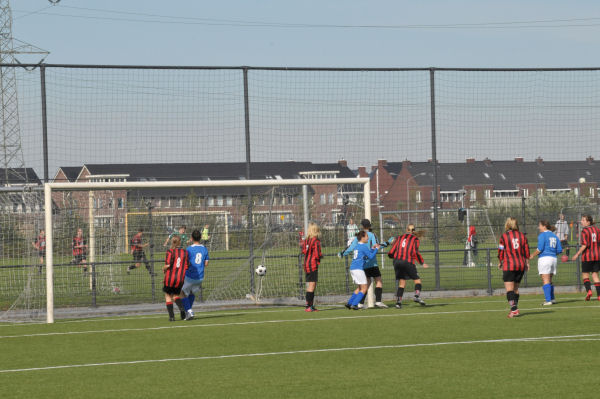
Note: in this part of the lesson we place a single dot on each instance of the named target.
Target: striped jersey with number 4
(513, 251)
(177, 259)
(198, 255)
(589, 237)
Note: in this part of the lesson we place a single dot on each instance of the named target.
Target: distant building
(18, 194)
(409, 185)
(111, 206)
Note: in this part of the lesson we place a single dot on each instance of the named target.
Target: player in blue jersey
(548, 249)
(198, 258)
(371, 267)
(362, 253)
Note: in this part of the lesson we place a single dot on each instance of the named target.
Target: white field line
(160, 315)
(245, 323)
(560, 338)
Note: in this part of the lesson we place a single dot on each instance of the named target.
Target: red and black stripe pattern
(513, 251)
(406, 248)
(177, 259)
(589, 238)
(136, 242)
(77, 242)
(311, 248)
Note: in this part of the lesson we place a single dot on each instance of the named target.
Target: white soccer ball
(260, 270)
(582, 180)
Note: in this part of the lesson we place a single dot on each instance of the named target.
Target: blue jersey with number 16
(198, 255)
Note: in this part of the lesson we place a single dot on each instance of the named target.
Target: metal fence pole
(152, 274)
(489, 272)
(94, 285)
(436, 241)
(44, 122)
(300, 287)
(248, 174)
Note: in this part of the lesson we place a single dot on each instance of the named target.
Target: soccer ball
(260, 270)
(116, 290)
(564, 258)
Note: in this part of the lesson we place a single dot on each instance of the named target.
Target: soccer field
(464, 348)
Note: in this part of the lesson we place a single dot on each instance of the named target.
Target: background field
(452, 348)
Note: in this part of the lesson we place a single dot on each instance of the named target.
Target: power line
(180, 20)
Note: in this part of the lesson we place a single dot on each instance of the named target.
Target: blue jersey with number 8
(198, 255)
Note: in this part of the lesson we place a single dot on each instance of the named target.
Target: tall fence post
(152, 274)
(489, 272)
(44, 122)
(434, 192)
(248, 175)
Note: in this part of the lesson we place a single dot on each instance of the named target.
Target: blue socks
(547, 292)
(358, 297)
(188, 301)
(351, 299)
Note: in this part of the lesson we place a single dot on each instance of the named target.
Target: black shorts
(405, 270)
(172, 290)
(42, 254)
(79, 258)
(592, 266)
(373, 272)
(514, 276)
(138, 255)
(312, 277)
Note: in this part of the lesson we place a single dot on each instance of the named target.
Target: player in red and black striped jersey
(137, 250)
(405, 251)
(590, 255)
(176, 264)
(80, 249)
(40, 245)
(513, 252)
(311, 248)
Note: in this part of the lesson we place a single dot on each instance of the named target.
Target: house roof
(71, 172)
(502, 175)
(18, 176)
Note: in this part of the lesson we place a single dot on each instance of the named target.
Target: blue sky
(116, 116)
(89, 40)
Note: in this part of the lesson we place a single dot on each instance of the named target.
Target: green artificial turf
(425, 352)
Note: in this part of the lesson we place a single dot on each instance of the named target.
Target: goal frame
(99, 186)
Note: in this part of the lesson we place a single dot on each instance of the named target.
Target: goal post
(87, 190)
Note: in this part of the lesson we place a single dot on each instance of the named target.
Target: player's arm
(540, 247)
(319, 252)
(349, 249)
(167, 240)
(501, 247)
(526, 252)
(167, 261)
(584, 245)
(419, 256)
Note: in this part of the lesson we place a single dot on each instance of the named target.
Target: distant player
(198, 256)
(79, 247)
(351, 232)
(185, 240)
(548, 249)
(40, 245)
(513, 253)
(562, 231)
(371, 268)
(205, 236)
(361, 254)
(137, 250)
(405, 251)
(176, 264)
(311, 248)
(590, 255)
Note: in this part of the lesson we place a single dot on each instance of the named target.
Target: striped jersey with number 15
(513, 251)
(177, 259)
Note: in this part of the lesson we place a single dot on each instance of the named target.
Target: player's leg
(310, 292)
(146, 262)
(379, 290)
(169, 303)
(179, 303)
(362, 291)
(596, 278)
(586, 269)
(509, 286)
(547, 287)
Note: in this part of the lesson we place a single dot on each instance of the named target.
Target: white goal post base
(99, 186)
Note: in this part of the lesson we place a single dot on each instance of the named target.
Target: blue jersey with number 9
(198, 255)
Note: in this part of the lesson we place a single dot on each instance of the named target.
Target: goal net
(106, 241)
